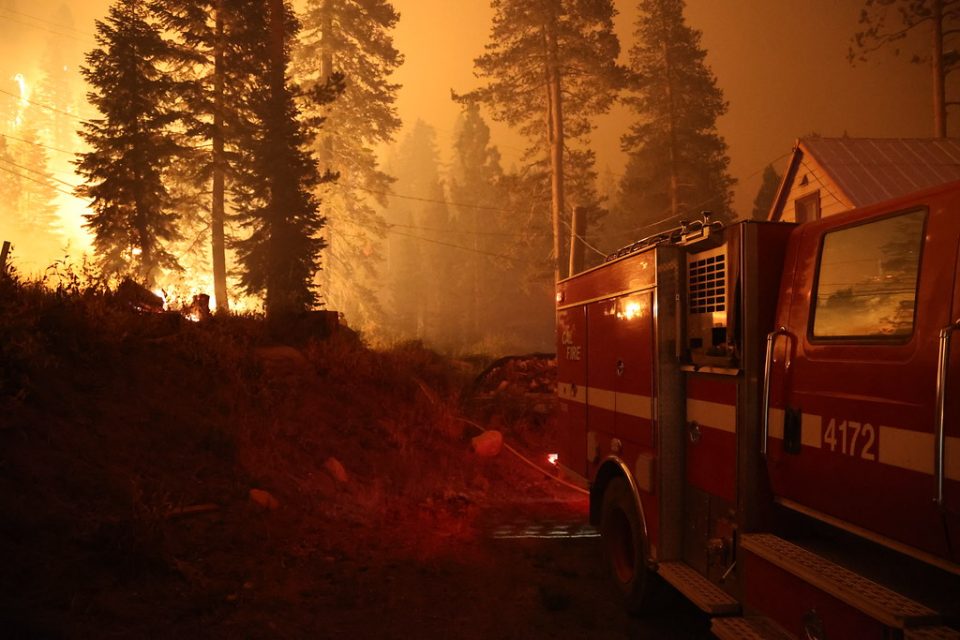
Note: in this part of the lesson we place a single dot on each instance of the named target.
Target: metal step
(747, 629)
(932, 633)
(700, 591)
(875, 600)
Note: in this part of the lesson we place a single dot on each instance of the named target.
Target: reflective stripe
(630, 404)
(901, 448)
(713, 414)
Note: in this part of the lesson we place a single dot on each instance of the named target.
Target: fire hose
(529, 462)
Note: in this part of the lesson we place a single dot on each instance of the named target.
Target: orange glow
(553, 458)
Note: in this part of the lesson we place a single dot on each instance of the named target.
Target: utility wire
(44, 106)
(456, 246)
(54, 187)
(42, 28)
(49, 176)
(38, 144)
(46, 21)
(434, 201)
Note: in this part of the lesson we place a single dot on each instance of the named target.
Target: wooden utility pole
(939, 89)
(217, 215)
(578, 231)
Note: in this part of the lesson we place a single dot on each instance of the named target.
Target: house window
(807, 208)
(867, 279)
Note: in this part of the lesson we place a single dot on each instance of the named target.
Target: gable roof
(870, 170)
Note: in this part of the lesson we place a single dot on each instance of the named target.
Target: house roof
(870, 170)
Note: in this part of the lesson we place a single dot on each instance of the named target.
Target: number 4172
(852, 438)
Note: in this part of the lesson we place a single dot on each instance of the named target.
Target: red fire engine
(768, 417)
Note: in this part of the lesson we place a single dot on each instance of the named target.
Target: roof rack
(689, 232)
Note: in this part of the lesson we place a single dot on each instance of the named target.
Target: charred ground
(130, 442)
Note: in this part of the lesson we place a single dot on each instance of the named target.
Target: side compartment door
(572, 388)
(853, 384)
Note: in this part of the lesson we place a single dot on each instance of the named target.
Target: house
(831, 175)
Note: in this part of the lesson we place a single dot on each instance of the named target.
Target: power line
(434, 201)
(54, 187)
(43, 106)
(42, 28)
(50, 22)
(456, 246)
(38, 144)
(41, 173)
(461, 231)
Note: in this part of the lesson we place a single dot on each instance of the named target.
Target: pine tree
(475, 190)
(353, 38)
(277, 183)
(767, 193)
(551, 62)
(419, 265)
(677, 162)
(132, 148)
(884, 23)
(218, 56)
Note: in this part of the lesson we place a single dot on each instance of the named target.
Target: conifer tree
(353, 38)
(419, 263)
(218, 51)
(767, 193)
(677, 162)
(475, 177)
(278, 180)
(551, 68)
(132, 218)
(886, 23)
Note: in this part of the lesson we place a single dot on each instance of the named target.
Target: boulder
(487, 444)
(264, 499)
(336, 470)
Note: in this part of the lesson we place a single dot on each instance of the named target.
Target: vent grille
(707, 284)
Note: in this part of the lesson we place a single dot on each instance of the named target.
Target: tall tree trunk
(276, 297)
(325, 150)
(674, 178)
(939, 90)
(217, 216)
(555, 103)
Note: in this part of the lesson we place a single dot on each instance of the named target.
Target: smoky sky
(782, 66)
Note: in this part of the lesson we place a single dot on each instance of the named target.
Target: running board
(707, 596)
(870, 598)
(753, 628)
(932, 633)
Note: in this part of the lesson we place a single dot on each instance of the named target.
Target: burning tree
(133, 219)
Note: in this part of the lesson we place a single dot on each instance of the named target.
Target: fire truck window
(867, 282)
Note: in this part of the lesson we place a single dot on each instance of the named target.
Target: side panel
(712, 435)
(572, 388)
(851, 421)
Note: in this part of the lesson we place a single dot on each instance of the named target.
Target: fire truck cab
(768, 418)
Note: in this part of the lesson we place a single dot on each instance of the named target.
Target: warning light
(553, 458)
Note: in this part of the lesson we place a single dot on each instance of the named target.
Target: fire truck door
(572, 388)
(852, 390)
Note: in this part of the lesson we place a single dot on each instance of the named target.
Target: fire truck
(767, 416)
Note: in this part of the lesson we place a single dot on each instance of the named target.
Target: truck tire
(625, 547)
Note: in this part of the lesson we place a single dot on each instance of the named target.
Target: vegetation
(677, 161)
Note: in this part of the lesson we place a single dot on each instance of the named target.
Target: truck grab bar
(767, 368)
(939, 436)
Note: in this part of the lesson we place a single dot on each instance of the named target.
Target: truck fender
(610, 468)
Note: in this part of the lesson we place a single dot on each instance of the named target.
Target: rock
(336, 470)
(264, 499)
(487, 444)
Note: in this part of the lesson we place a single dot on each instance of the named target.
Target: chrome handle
(767, 368)
(939, 436)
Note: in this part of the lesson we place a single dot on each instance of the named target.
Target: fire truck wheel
(624, 545)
